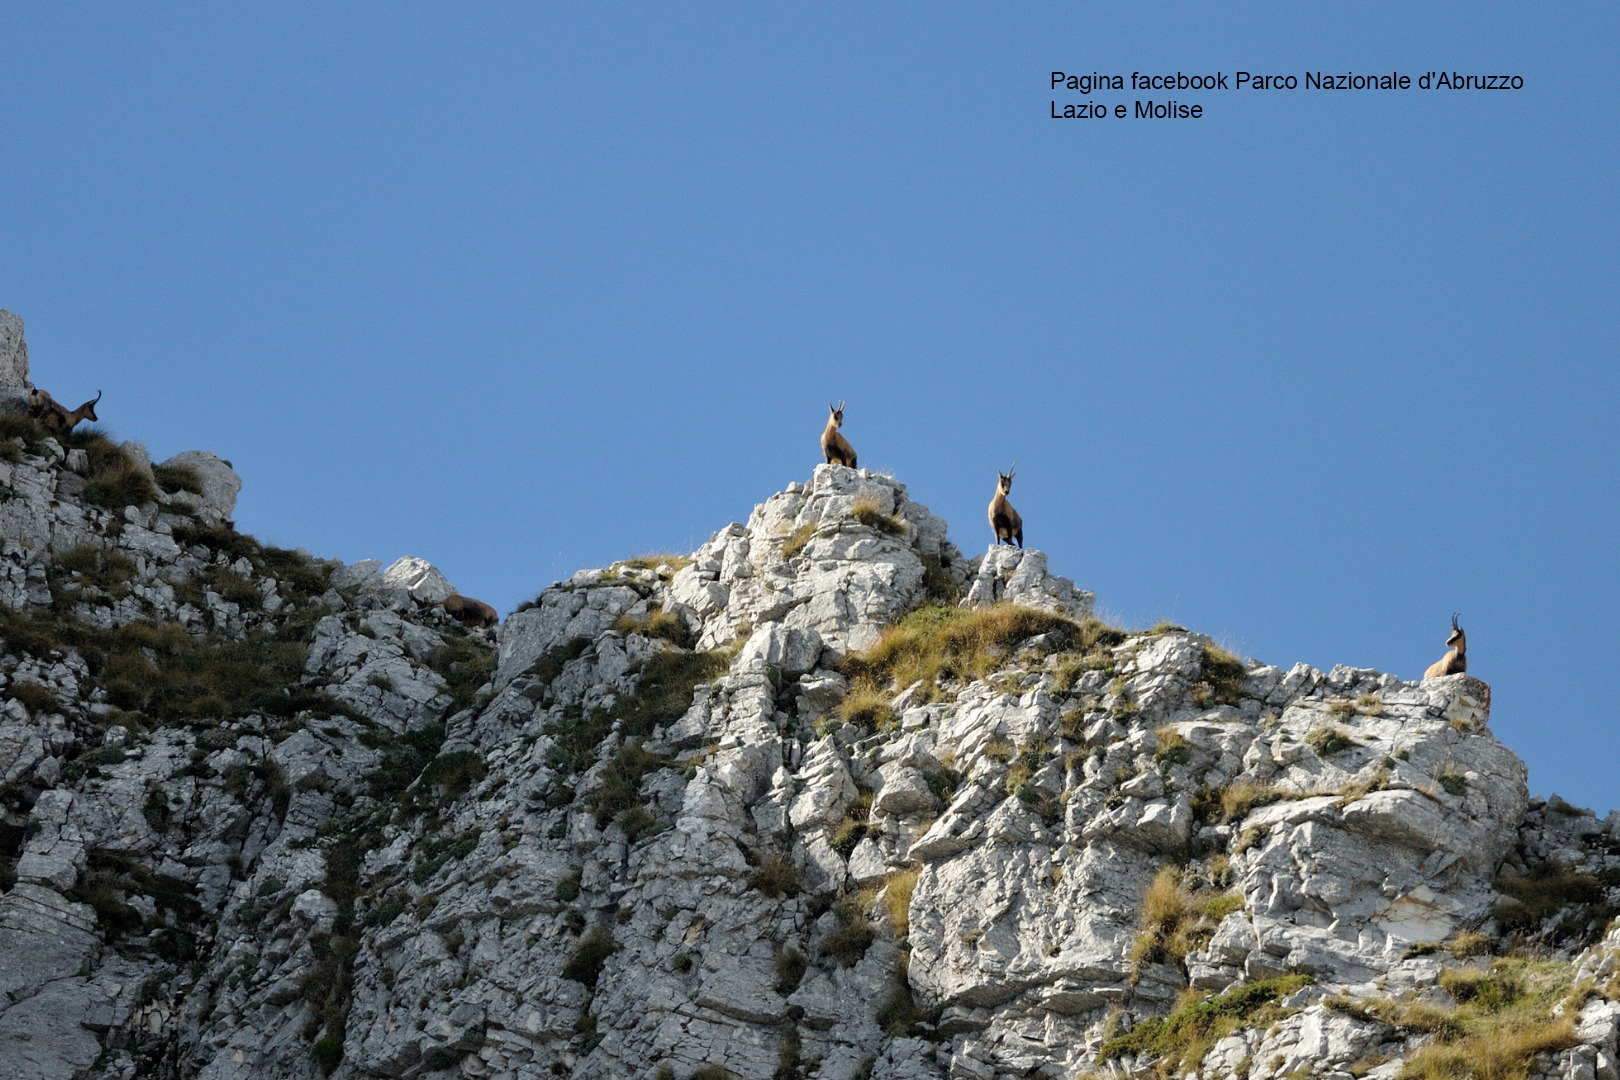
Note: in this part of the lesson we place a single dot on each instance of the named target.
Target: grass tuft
(1222, 678)
(173, 478)
(1528, 901)
(115, 478)
(1176, 920)
(776, 876)
(1327, 741)
(1505, 1017)
(938, 643)
(589, 957)
(797, 540)
(1182, 1038)
(847, 942)
(867, 511)
(897, 898)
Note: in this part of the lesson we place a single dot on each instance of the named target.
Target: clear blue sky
(524, 289)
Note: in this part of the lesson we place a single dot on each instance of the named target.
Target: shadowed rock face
(643, 829)
(14, 384)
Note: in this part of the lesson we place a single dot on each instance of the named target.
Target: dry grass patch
(1330, 740)
(897, 898)
(657, 623)
(797, 540)
(1180, 1040)
(1529, 900)
(174, 478)
(1504, 1019)
(1378, 780)
(1176, 920)
(1174, 749)
(1239, 800)
(664, 564)
(1222, 678)
(34, 697)
(1093, 650)
(937, 643)
(868, 512)
(114, 478)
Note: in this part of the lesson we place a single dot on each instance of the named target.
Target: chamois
(53, 417)
(469, 612)
(1454, 662)
(1004, 520)
(833, 445)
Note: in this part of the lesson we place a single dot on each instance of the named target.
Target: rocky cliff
(821, 799)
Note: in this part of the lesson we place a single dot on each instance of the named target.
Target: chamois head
(1456, 640)
(836, 417)
(87, 411)
(1004, 480)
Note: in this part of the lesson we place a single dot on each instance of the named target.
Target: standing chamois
(1004, 520)
(1454, 662)
(56, 420)
(833, 445)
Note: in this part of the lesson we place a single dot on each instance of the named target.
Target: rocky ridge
(822, 799)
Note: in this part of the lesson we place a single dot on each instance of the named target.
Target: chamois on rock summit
(53, 417)
(1004, 520)
(1454, 662)
(469, 612)
(833, 445)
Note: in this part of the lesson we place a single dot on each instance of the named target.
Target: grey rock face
(418, 577)
(220, 484)
(1017, 576)
(650, 833)
(14, 384)
(843, 556)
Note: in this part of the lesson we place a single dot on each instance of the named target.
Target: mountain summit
(822, 799)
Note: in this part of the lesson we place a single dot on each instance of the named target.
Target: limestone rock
(418, 577)
(597, 850)
(1019, 576)
(14, 384)
(220, 483)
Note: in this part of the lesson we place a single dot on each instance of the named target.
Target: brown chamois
(469, 612)
(1004, 520)
(1454, 662)
(833, 445)
(53, 417)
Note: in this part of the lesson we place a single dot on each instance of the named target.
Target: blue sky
(523, 290)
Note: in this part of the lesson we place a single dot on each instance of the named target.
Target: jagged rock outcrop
(14, 384)
(823, 799)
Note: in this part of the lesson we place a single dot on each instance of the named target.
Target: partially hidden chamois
(469, 612)
(1004, 520)
(53, 417)
(833, 445)
(1454, 662)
